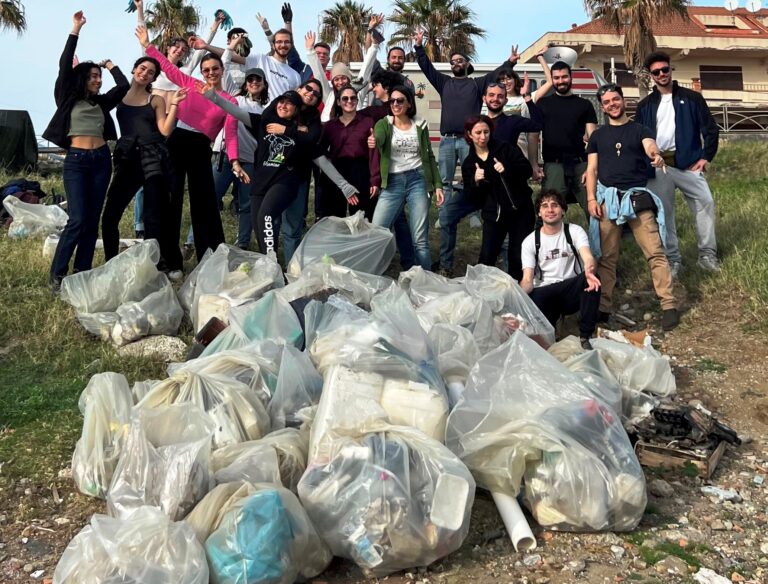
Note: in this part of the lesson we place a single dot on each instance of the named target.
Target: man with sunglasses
(687, 135)
(461, 96)
(617, 175)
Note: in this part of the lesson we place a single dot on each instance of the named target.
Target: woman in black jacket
(82, 125)
(496, 179)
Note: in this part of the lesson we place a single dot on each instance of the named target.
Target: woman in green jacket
(409, 172)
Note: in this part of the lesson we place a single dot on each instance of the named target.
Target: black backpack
(537, 240)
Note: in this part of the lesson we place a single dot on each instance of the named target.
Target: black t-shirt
(622, 161)
(565, 122)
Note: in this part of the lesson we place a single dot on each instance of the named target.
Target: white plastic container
(409, 403)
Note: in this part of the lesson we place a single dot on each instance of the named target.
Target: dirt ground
(715, 358)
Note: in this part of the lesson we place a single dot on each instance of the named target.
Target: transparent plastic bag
(299, 385)
(145, 548)
(265, 538)
(389, 500)
(461, 309)
(164, 463)
(322, 318)
(507, 300)
(106, 404)
(347, 241)
(32, 220)
(423, 286)
(355, 286)
(524, 417)
(188, 288)
(128, 277)
(233, 409)
(141, 388)
(231, 277)
(269, 318)
(637, 369)
(457, 352)
(256, 365)
(209, 512)
(158, 314)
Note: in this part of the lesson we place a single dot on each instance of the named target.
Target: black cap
(255, 71)
(291, 97)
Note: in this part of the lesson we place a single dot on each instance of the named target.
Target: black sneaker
(54, 284)
(670, 319)
(187, 251)
(585, 344)
(139, 234)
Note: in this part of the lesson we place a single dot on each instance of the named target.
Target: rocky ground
(686, 535)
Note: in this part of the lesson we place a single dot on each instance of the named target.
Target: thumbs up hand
(479, 173)
(498, 166)
(371, 140)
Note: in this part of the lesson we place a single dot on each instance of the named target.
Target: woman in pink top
(190, 147)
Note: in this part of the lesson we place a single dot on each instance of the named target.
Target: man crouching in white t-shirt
(558, 270)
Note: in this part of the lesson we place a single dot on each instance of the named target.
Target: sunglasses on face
(348, 98)
(458, 61)
(255, 79)
(210, 70)
(397, 100)
(660, 70)
(312, 90)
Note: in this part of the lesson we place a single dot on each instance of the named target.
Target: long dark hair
(154, 62)
(337, 111)
(411, 113)
(82, 73)
(263, 97)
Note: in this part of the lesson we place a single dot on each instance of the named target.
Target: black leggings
(266, 210)
(191, 159)
(518, 224)
(127, 179)
(333, 202)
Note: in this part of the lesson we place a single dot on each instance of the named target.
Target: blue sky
(108, 33)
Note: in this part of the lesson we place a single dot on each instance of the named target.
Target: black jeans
(517, 224)
(334, 203)
(266, 209)
(127, 179)
(191, 159)
(86, 178)
(568, 297)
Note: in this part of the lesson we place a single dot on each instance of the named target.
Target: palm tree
(635, 19)
(447, 25)
(344, 25)
(171, 18)
(12, 16)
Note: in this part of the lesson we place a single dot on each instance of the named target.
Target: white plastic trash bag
(31, 220)
(347, 241)
(159, 313)
(526, 422)
(637, 369)
(389, 500)
(165, 462)
(423, 286)
(265, 538)
(146, 548)
(127, 277)
(457, 352)
(106, 404)
(299, 385)
(235, 411)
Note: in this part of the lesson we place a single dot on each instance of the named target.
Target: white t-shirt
(556, 258)
(280, 76)
(665, 124)
(405, 149)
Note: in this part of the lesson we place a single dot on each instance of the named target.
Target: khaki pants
(554, 178)
(646, 232)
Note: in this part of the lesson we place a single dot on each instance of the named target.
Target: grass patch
(689, 469)
(705, 364)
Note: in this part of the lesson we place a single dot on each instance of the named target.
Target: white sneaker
(675, 268)
(175, 275)
(709, 263)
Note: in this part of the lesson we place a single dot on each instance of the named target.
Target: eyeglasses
(313, 91)
(255, 79)
(348, 98)
(397, 100)
(660, 70)
(458, 61)
(607, 88)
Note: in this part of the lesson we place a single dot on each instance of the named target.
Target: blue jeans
(452, 152)
(138, 210)
(407, 189)
(86, 178)
(292, 225)
(243, 193)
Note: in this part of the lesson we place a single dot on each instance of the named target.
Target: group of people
(270, 124)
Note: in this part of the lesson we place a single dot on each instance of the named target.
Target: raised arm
(547, 85)
(174, 74)
(436, 78)
(507, 65)
(197, 55)
(68, 56)
(139, 4)
(365, 73)
(265, 27)
(228, 83)
(117, 93)
(314, 63)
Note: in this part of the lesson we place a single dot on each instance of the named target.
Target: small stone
(28, 568)
(639, 564)
(647, 316)
(628, 292)
(28, 492)
(618, 551)
(717, 525)
(661, 488)
(37, 574)
(746, 438)
(3, 519)
(758, 480)
(728, 525)
(722, 494)
(532, 560)
(707, 576)
(576, 566)
(624, 307)
(764, 548)
(61, 521)
(543, 580)
(682, 520)
(736, 577)
(672, 565)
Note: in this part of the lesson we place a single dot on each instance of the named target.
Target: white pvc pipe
(517, 527)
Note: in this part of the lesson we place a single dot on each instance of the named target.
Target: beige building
(725, 51)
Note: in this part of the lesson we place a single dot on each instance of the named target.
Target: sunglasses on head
(398, 100)
(312, 90)
(500, 85)
(660, 70)
(254, 79)
(607, 89)
(351, 98)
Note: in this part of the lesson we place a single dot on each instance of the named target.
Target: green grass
(706, 364)
(46, 358)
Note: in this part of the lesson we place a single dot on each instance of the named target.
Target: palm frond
(12, 16)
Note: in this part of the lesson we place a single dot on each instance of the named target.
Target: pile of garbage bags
(345, 414)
